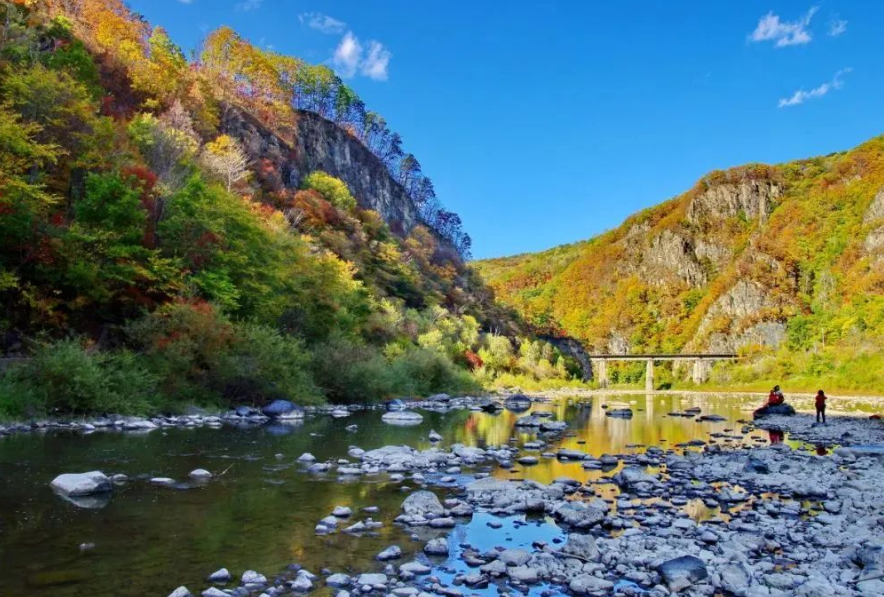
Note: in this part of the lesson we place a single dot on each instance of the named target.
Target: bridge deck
(663, 357)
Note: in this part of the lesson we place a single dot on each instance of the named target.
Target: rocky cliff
(320, 144)
(747, 259)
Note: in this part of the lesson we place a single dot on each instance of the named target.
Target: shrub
(351, 372)
(64, 378)
(332, 189)
(263, 365)
(425, 371)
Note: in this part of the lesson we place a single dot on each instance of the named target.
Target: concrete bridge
(700, 373)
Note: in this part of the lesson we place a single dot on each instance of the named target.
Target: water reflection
(261, 512)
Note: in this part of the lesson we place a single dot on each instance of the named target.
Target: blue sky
(543, 123)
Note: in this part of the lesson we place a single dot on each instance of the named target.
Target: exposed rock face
(754, 198)
(322, 145)
(574, 349)
(876, 209)
(875, 215)
(743, 301)
(672, 254)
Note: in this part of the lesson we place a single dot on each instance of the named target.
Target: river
(260, 510)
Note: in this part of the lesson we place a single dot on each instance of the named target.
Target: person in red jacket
(821, 406)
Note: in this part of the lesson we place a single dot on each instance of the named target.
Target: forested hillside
(784, 264)
(228, 229)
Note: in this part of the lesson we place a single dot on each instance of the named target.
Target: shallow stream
(261, 509)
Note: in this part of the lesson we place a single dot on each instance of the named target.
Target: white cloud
(783, 33)
(349, 58)
(249, 5)
(837, 27)
(375, 64)
(801, 96)
(348, 55)
(322, 23)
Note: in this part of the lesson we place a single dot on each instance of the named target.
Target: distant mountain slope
(757, 258)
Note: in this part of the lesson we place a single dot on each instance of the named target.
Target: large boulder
(402, 417)
(81, 484)
(517, 403)
(777, 409)
(582, 547)
(680, 573)
(283, 409)
(423, 503)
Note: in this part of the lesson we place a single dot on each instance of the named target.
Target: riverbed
(260, 509)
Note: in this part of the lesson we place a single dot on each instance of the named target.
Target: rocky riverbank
(779, 521)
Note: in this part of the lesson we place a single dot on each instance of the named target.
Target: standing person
(821, 406)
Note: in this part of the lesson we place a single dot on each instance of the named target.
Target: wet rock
(162, 481)
(342, 512)
(402, 417)
(514, 557)
(735, 578)
(306, 457)
(371, 580)
(423, 503)
(621, 413)
(200, 474)
(213, 592)
(434, 437)
(682, 572)
(81, 484)
(394, 552)
(436, 547)
(525, 574)
(415, 568)
(553, 426)
(302, 583)
(338, 581)
(777, 409)
(517, 403)
(222, 575)
(250, 577)
(181, 592)
(586, 584)
(582, 547)
(283, 409)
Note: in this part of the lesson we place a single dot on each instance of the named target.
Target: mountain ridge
(752, 259)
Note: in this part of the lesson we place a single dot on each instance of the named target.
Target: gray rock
(181, 592)
(415, 568)
(402, 418)
(586, 584)
(81, 484)
(514, 557)
(200, 474)
(582, 547)
(301, 584)
(525, 574)
(680, 573)
(222, 575)
(371, 580)
(283, 409)
(250, 577)
(436, 547)
(338, 581)
(213, 592)
(394, 552)
(423, 503)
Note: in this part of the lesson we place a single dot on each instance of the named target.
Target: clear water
(261, 513)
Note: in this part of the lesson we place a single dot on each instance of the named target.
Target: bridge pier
(600, 369)
(649, 376)
(700, 373)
